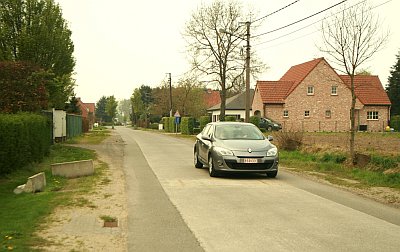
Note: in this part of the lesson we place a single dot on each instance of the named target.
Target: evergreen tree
(393, 89)
(73, 107)
(100, 112)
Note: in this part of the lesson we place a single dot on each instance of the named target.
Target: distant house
(312, 97)
(235, 106)
(88, 114)
(211, 97)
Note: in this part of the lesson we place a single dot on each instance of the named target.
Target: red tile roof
(211, 97)
(299, 72)
(368, 89)
(274, 91)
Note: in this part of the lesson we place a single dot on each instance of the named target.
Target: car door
(204, 145)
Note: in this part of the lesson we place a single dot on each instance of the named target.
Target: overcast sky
(122, 44)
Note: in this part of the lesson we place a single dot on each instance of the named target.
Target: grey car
(235, 147)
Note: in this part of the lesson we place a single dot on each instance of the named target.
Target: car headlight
(272, 152)
(223, 152)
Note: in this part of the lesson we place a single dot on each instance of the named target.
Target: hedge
(24, 139)
(230, 118)
(255, 120)
(395, 122)
(203, 121)
(187, 125)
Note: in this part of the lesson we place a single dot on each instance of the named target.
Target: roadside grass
(335, 165)
(24, 214)
(95, 136)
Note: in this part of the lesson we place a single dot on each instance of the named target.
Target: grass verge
(22, 215)
(334, 166)
(95, 136)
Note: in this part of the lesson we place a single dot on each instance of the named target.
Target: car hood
(244, 145)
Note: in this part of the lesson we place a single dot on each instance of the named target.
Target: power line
(298, 21)
(270, 14)
(290, 33)
(288, 41)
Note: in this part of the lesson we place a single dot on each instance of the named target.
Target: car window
(235, 132)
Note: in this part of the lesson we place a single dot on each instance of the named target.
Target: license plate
(250, 160)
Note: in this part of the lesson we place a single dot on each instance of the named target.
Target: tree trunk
(222, 95)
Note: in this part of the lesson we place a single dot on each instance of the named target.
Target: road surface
(176, 207)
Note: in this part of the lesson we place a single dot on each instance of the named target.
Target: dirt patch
(80, 228)
(380, 143)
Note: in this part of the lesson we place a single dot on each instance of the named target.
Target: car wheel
(211, 170)
(269, 128)
(272, 174)
(197, 163)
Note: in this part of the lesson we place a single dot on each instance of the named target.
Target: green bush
(395, 122)
(230, 118)
(24, 139)
(203, 121)
(187, 125)
(165, 124)
(153, 126)
(334, 158)
(255, 120)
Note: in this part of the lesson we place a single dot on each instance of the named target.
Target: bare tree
(350, 39)
(214, 36)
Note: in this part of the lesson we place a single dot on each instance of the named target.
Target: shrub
(203, 121)
(289, 140)
(24, 139)
(255, 120)
(187, 125)
(395, 122)
(230, 118)
(165, 123)
(153, 126)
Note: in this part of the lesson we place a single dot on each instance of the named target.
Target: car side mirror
(205, 137)
(270, 138)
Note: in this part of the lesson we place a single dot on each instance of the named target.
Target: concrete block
(19, 189)
(36, 183)
(73, 169)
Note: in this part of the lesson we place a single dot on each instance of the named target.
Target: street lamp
(247, 106)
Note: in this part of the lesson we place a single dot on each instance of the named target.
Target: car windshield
(237, 131)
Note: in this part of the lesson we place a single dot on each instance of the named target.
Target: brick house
(234, 106)
(312, 97)
(88, 114)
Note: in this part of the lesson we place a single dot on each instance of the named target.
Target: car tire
(269, 128)
(272, 174)
(197, 163)
(211, 169)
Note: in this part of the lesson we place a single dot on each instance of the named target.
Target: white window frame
(286, 113)
(334, 90)
(310, 90)
(372, 115)
(307, 113)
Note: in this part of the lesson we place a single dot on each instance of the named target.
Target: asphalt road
(176, 207)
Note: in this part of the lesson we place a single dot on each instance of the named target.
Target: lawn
(22, 215)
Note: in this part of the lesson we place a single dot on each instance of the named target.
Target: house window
(285, 113)
(334, 90)
(307, 113)
(310, 90)
(328, 113)
(372, 115)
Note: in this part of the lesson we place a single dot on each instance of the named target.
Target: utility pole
(170, 94)
(247, 113)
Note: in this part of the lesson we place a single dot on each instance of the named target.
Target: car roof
(226, 123)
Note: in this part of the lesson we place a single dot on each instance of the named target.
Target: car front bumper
(238, 164)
